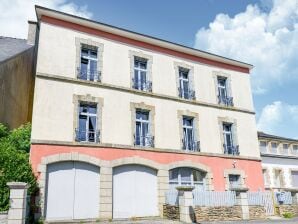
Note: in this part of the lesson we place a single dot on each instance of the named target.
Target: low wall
(293, 209)
(171, 212)
(257, 212)
(220, 213)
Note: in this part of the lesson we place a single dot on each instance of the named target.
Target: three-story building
(120, 118)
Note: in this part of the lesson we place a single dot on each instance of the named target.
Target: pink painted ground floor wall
(217, 165)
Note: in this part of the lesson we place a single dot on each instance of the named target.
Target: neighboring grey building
(17, 66)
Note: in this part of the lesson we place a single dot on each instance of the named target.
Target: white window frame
(142, 122)
(90, 74)
(263, 148)
(225, 133)
(186, 183)
(275, 148)
(182, 80)
(221, 87)
(89, 115)
(139, 70)
(186, 130)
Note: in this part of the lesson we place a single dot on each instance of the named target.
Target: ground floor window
(294, 175)
(187, 176)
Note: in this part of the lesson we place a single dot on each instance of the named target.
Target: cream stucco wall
(57, 55)
(53, 112)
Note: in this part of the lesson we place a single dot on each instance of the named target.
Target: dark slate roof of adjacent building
(275, 137)
(9, 47)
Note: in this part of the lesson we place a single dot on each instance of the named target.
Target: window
(263, 146)
(223, 96)
(186, 176)
(294, 175)
(87, 130)
(234, 181)
(184, 84)
(273, 147)
(285, 149)
(229, 147)
(188, 141)
(265, 177)
(140, 79)
(88, 67)
(277, 178)
(142, 136)
(295, 149)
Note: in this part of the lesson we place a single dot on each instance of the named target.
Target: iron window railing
(191, 146)
(225, 100)
(187, 94)
(145, 141)
(144, 86)
(231, 150)
(87, 136)
(89, 74)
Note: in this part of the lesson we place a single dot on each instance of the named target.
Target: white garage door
(134, 192)
(72, 191)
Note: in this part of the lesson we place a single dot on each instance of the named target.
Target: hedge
(14, 161)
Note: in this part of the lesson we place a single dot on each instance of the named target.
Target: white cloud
(279, 118)
(268, 39)
(14, 14)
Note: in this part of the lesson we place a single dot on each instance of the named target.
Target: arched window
(186, 176)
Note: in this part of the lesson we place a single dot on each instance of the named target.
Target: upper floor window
(89, 64)
(295, 149)
(234, 181)
(87, 130)
(186, 176)
(184, 89)
(142, 132)
(223, 93)
(140, 79)
(229, 147)
(263, 146)
(189, 141)
(273, 147)
(285, 149)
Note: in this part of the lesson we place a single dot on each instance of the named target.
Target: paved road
(277, 221)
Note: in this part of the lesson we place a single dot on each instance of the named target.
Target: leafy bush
(288, 215)
(14, 161)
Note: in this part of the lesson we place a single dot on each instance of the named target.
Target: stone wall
(219, 213)
(171, 212)
(293, 209)
(257, 212)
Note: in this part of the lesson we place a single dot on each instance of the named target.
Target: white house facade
(120, 118)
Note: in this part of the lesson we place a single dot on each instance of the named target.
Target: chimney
(32, 26)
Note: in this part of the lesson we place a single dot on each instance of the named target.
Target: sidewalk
(268, 221)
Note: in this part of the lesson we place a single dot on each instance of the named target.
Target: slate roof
(275, 137)
(10, 47)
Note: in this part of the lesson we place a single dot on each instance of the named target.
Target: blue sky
(261, 32)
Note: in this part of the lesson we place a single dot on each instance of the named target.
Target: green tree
(14, 161)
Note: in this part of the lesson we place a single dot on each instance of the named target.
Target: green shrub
(14, 162)
(288, 215)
